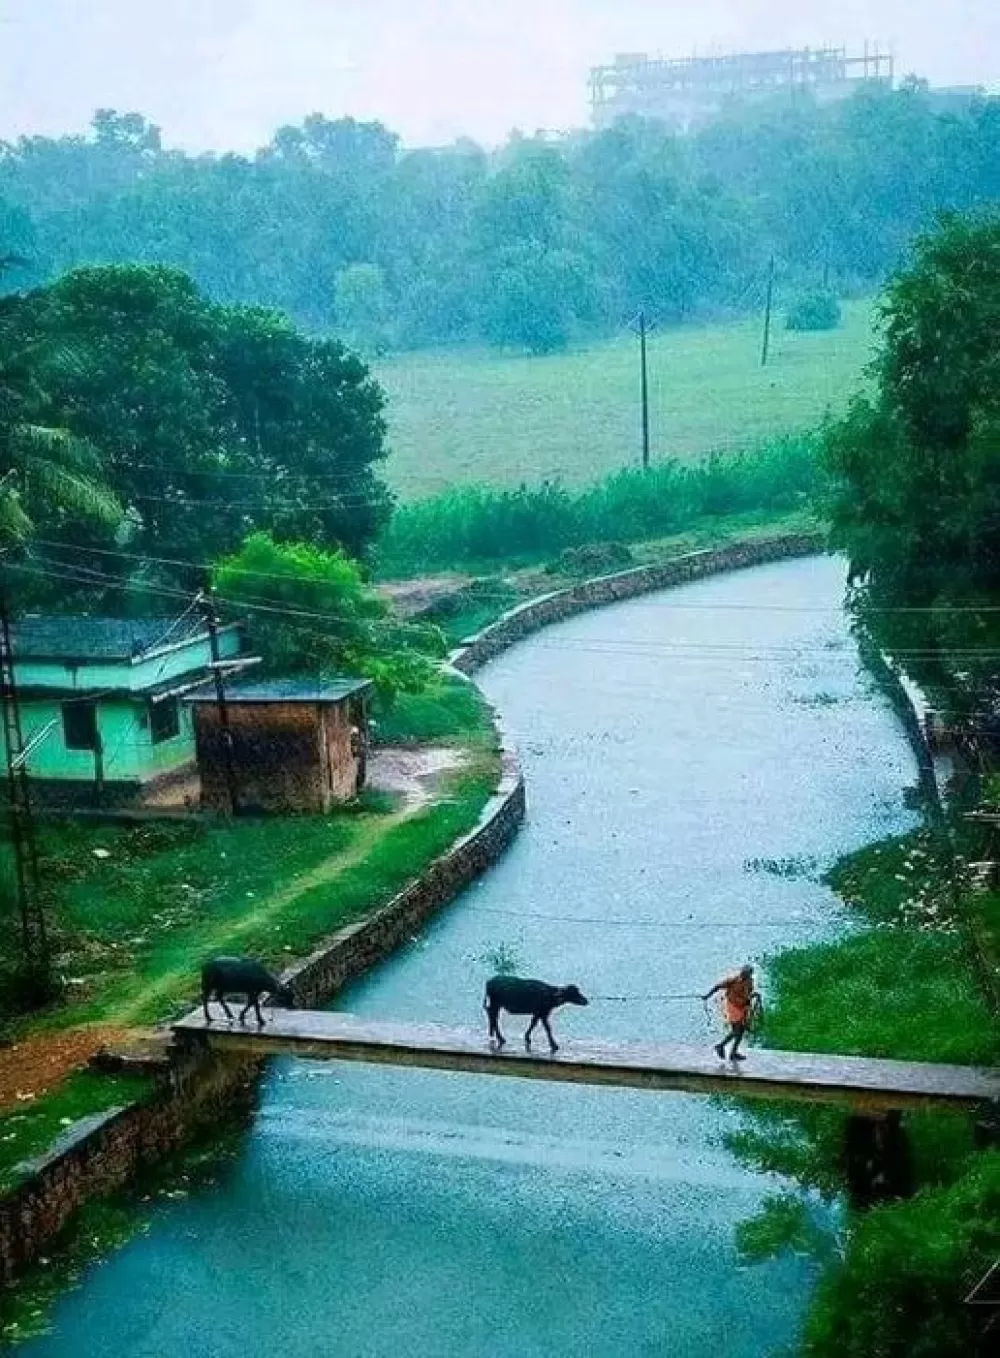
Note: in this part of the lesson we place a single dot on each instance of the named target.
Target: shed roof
(69, 637)
(284, 691)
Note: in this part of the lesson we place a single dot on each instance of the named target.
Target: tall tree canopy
(212, 421)
(542, 240)
(916, 464)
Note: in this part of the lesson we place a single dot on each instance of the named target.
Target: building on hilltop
(689, 90)
(102, 721)
(295, 745)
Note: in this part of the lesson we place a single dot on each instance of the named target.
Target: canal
(693, 759)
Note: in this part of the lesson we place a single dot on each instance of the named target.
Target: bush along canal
(697, 761)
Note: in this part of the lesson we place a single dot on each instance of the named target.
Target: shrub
(477, 524)
(594, 558)
(816, 311)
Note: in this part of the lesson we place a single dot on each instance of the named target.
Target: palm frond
(51, 486)
(15, 526)
(41, 443)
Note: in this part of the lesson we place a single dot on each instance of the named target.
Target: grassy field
(460, 417)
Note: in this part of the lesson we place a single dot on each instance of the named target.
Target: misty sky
(224, 73)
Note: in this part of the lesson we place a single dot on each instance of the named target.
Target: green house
(101, 716)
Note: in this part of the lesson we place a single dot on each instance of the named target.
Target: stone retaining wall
(102, 1154)
(612, 589)
(355, 949)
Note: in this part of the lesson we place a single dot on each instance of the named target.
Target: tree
(917, 465)
(213, 421)
(312, 613)
(47, 475)
(361, 308)
(678, 223)
(915, 498)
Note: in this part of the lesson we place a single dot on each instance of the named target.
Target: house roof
(283, 691)
(67, 637)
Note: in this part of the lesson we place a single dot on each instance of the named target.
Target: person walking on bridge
(740, 1002)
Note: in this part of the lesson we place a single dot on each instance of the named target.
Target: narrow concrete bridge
(868, 1086)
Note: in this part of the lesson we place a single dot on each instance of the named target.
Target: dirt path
(37, 1063)
(413, 773)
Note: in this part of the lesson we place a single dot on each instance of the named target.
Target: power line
(625, 923)
(505, 596)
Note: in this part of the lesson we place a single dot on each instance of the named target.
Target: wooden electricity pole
(225, 730)
(20, 818)
(766, 347)
(642, 328)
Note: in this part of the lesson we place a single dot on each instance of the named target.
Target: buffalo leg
(527, 1036)
(494, 1013)
(204, 1005)
(222, 1000)
(260, 1016)
(553, 1045)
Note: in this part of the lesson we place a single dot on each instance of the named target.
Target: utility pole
(642, 328)
(225, 730)
(34, 934)
(766, 348)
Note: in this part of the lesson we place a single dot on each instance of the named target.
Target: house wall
(290, 757)
(343, 767)
(278, 755)
(129, 754)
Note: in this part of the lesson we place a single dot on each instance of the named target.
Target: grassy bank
(459, 418)
(492, 592)
(902, 987)
(467, 527)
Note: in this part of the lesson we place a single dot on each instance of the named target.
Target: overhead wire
(506, 596)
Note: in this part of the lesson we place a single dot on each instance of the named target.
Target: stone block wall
(102, 1154)
(611, 589)
(358, 947)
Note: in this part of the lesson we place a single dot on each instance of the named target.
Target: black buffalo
(536, 998)
(240, 976)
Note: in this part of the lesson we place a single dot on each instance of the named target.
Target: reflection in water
(668, 744)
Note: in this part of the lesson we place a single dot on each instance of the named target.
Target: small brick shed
(298, 745)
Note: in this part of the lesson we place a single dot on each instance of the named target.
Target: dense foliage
(338, 225)
(895, 1275)
(816, 311)
(205, 422)
(916, 465)
(478, 524)
(312, 613)
(47, 476)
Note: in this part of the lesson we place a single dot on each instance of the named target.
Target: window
(164, 720)
(80, 726)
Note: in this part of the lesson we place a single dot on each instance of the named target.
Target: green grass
(446, 711)
(29, 1129)
(269, 888)
(460, 417)
(474, 524)
(897, 992)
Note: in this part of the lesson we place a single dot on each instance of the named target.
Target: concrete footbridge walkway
(867, 1085)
